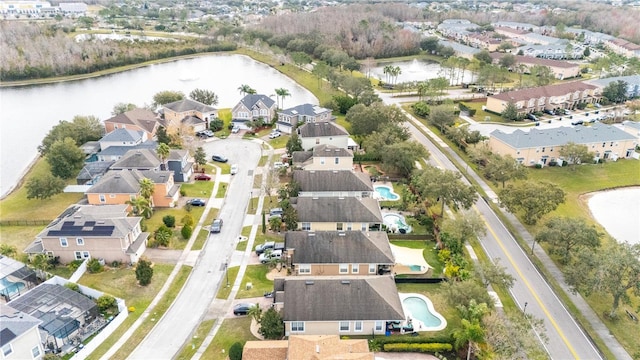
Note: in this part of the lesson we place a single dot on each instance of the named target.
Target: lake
(618, 212)
(415, 70)
(28, 113)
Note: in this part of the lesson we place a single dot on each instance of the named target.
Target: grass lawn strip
(257, 276)
(198, 337)
(222, 190)
(231, 331)
(223, 290)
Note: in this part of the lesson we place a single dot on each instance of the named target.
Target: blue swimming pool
(420, 311)
(386, 193)
(9, 288)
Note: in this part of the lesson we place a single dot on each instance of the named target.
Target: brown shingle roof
(333, 209)
(343, 180)
(530, 60)
(265, 350)
(143, 118)
(322, 128)
(327, 347)
(544, 91)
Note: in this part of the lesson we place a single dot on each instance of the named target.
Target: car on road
(577, 122)
(597, 105)
(242, 308)
(216, 226)
(235, 129)
(234, 169)
(196, 202)
(269, 255)
(205, 133)
(219, 158)
(549, 111)
(274, 134)
(202, 176)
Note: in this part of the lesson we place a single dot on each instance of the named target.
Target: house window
(112, 196)
(317, 141)
(321, 161)
(611, 144)
(297, 326)
(542, 149)
(7, 350)
(78, 255)
(364, 227)
(357, 326)
(35, 352)
(344, 268)
(604, 144)
(306, 226)
(80, 241)
(339, 226)
(304, 269)
(337, 160)
(355, 268)
(372, 268)
(102, 198)
(85, 255)
(378, 325)
(63, 242)
(344, 326)
(349, 226)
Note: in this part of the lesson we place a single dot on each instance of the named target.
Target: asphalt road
(184, 315)
(566, 340)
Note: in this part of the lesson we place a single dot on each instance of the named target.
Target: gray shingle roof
(117, 182)
(121, 150)
(560, 136)
(250, 100)
(333, 209)
(121, 135)
(631, 80)
(320, 129)
(188, 105)
(14, 323)
(344, 180)
(178, 154)
(334, 247)
(92, 220)
(341, 298)
(138, 158)
(299, 157)
(304, 109)
(330, 150)
(192, 120)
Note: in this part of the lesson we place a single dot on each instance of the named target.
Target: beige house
(20, 337)
(188, 114)
(327, 253)
(336, 183)
(551, 97)
(623, 47)
(289, 118)
(337, 305)
(561, 69)
(337, 214)
(253, 107)
(86, 231)
(307, 347)
(120, 186)
(543, 146)
(323, 133)
(137, 120)
(324, 157)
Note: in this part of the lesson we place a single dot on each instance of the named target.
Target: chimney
(318, 348)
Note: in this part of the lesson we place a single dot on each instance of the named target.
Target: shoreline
(21, 178)
(584, 198)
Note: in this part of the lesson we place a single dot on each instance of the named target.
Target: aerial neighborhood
(457, 186)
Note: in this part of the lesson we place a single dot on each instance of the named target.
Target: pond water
(416, 70)
(618, 212)
(28, 113)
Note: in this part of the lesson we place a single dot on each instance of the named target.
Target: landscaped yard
(224, 290)
(435, 294)
(429, 253)
(201, 189)
(232, 331)
(177, 242)
(257, 276)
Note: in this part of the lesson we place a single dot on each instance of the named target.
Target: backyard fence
(418, 280)
(24, 222)
(412, 237)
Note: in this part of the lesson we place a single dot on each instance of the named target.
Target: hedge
(424, 348)
(365, 157)
(421, 339)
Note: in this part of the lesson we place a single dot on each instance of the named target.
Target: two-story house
(253, 107)
(332, 183)
(560, 69)
(188, 113)
(323, 133)
(87, 231)
(138, 159)
(179, 161)
(19, 335)
(324, 157)
(338, 305)
(121, 186)
(137, 119)
(337, 214)
(289, 118)
(115, 144)
(326, 253)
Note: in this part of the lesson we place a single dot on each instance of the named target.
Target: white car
(279, 164)
(274, 134)
(235, 129)
(269, 255)
(234, 169)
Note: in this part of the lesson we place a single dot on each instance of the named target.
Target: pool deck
(417, 324)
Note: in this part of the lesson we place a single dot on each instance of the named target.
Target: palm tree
(146, 188)
(245, 89)
(395, 71)
(41, 263)
(163, 153)
(255, 312)
(281, 93)
(387, 71)
(140, 207)
(470, 334)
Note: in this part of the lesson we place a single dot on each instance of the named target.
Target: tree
(445, 186)
(465, 226)
(354, 86)
(294, 144)
(144, 272)
(429, 44)
(494, 273)
(255, 312)
(169, 220)
(500, 169)
(441, 116)
(147, 188)
(575, 154)
(300, 58)
(106, 302)
(365, 120)
(81, 129)
(565, 235)
(245, 89)
(121, 108)
(204, 96)
(542, 75)
(200, 156)
(271, 325)
(473, 311)
(401, 157)
(586, 52)
(140, 207)
(388, 134)
(65, 158)
(44, 186)
(235, 351)
(167, 96)
(510, 111)
(507, 61)
(281, 93)
(616, 91)
(163, 235)
(8, 250)
(162, 136)
(484, 57)
(533, 198)
(41, 263)
(163, 151)
(511, 336)
(469, 334)
(612, 271)
(321, 71)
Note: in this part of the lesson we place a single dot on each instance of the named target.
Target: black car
(242, 308)
(577, 122)
(219, 158)
(532, 117)
(196, 202)
(216, 227)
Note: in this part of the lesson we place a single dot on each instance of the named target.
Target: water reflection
(417, 70)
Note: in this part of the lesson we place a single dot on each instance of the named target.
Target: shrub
(235, 351)
(115, 264)
(169, 220)
(186, 232)
(94, 266)
(428, 347)
(74, 265)
(72, 286)
(421, 109)
(144, 272)
(106, 302)
(188, 220)
(183, 192)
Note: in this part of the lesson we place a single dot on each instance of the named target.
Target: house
(623, 47)
(122, 137)
(115, 152)
(289, 118)
(139, 159)
(179, 161)
(137, 119)
(306, 347)
(483, 41)
(543, 146)
(188, 113)
(19, 335)
(337, 214)
(553, 97)
(120, 186)
(561, 69)
(324, 157)
(337, 305)
(327, 253)
(92, 171)
(323, 133)
(633, 84)
(88, 231)
(557, 50)
(253, 107)
(632, 127)
(332, 183)
(459, 49)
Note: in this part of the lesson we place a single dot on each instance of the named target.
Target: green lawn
(19, 236)
(435, 294)
(224, 290)
(197, 189)
(279, 142)
(242, 245)
(257, 181)
(231, 331)
(177, 242)
(429, 253)
(191, 347)
(200, 239)
(263, 160)
(257, 276)
(222, 190)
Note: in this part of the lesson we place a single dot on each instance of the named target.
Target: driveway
(265, 303)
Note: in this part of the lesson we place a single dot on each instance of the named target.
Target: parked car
(242, 308)
(205, 133)
(577, 122)
(235, 129)
(261, 248)
(266, 256)
(274, 134)
(202, 176)
(216, 226)
(532, 117)
(549, 111)
(597, 105)
(279, 165)
(196, 202)
(276, 212)
(234, 169)
(219, 158)
(567, 111)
